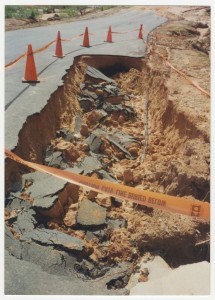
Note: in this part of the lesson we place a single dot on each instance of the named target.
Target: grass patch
(20, 12)
(105, 7)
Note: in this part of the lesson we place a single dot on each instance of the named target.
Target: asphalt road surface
(24, 99)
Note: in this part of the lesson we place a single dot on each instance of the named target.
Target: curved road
(23, 99)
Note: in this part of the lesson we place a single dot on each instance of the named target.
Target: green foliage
(71, 11)
(105, 7)
(23, 11)
(10, 10)
(19, 12)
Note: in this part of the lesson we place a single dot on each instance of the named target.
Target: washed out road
(24, 99)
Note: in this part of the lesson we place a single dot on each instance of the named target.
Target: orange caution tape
(182, 74)
(184, 206)
(15, 61)
(44, 47)
(34, 52)
(10, 64)
(73, 38)
(123, 32)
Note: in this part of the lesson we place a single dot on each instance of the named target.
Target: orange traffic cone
(109, 35)
(86, 42)
(140, 36)
(30, 69)
(58, 49)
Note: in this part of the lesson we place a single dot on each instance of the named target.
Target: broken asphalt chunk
(44, 189)
(65, 134)
(94, 73)
(54, 238)
(45, 202)
(94, 143)
(55, 159)
(91, 214)
(44, 184)
(105, 175)
(14, 202)
(78, 123)
(118, 277)
(89, 270)
(86, 103)
(89, 94)
(108, 107)
(118, 139)
(88, 165)
(25, 221)
(117, 223)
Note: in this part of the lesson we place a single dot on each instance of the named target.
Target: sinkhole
(112, 119)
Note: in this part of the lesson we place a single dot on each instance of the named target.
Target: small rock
(84, 147)
(70, 217)
(116, 202)
(119, 175)
(157, 141)
(122, 119)
(93, 117)
(103, 200)
(99, 92)
(63, 145)
(128, 176)
(92, 195)
(134, 151)
(137, 178)
(117, 223)
(77, 136)
(144, 275)
(114, 123)
(86, 104)
(71, 153)
(154, 157)
(84, 130)
(114, 100)
(89, 236)
(120, 155)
